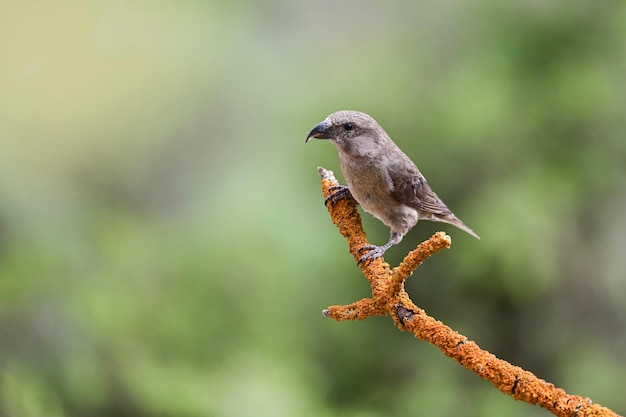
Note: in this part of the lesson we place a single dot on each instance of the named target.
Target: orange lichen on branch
(390, 298)
(360, 310)
(416, 257)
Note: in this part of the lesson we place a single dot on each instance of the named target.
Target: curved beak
(320, 131)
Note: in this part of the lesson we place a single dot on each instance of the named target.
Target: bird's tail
(458, 223)
(450, 219)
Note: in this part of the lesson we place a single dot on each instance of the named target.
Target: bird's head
(350, 131)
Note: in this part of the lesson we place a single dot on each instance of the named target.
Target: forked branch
(390, 298)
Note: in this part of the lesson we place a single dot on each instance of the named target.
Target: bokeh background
(164, 247)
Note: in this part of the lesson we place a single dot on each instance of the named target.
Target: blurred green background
(164, 247)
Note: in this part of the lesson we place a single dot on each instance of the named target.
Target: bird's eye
(348, 126)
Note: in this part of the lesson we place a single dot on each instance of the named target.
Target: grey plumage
(381, 178)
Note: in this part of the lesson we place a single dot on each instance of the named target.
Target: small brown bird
(381, 178)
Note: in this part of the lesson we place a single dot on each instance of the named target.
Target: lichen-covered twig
(390, 298)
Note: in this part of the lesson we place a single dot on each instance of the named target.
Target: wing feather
(410, 188)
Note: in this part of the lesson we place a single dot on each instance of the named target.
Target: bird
(382, 179)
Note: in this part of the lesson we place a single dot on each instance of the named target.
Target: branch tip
(326, 174)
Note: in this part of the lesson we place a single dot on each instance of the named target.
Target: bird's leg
(339, 192)
(374, 251)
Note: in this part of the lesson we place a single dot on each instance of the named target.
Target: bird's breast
(371, 187)
(367, 179)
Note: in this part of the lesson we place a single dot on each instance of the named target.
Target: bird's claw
(372, 253)
(339, 192)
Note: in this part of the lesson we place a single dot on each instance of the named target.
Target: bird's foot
(373, 252)
(339, 192)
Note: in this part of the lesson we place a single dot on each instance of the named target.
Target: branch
(390, 298)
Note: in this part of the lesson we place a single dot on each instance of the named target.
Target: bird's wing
(410, 188)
